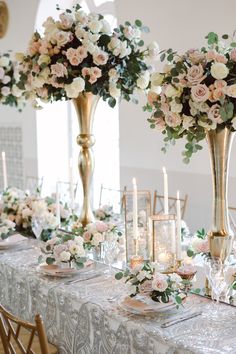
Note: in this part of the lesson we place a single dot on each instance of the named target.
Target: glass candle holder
(164, 242)
(138, 245)
(135, 260)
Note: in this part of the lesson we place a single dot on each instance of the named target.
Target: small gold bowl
(186, 275)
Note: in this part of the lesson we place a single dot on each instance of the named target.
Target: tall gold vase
(85, 106)
(220, 236)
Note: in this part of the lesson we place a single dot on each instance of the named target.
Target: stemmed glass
(110, 250)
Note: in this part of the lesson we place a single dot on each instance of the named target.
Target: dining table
(84, 313)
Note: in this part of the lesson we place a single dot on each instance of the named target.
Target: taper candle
(71, 183)
(135, 210)
(178, 227)
(165, 178)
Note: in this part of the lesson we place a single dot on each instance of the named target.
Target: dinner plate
(55, 270)
(12, 241)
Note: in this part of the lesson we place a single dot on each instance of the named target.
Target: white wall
(22, 17)
(182, 25)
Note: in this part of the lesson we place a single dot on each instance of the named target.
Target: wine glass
(110, 250)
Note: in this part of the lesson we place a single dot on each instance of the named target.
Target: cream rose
(64, 256)
(159, 283)
(100, 57)
(231, 91)
(176, 107)
(171, 91)
(200, 93)
(188, 121)
(95, 26)
(219, 71)
(172, 119)
(143, 80)
(156, 79)
(114, 90)
(4, 61)
(73, 90)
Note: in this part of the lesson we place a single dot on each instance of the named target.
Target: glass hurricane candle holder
(137, 245)
(164, 242)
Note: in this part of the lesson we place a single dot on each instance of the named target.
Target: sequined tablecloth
(85, 317)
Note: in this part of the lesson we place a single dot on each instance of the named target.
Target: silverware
(73, 281)
(180, 319)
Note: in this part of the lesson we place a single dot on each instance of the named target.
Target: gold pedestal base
(220, 246)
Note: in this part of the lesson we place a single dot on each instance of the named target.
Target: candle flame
(164, 169)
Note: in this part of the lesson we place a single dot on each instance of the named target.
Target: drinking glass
(110, 250)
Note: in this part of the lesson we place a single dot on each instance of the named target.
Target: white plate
(54, 270)
(12, 241)
(140, 306)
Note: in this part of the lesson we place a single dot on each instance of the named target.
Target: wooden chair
(112, 197)
(158, 204)
(34, 184)
(23, 337)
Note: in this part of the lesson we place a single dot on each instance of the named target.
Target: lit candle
(166, 206)
(135, 260)
(163, 257)
(71, 182)
(178, 226)
(58, 213)
(135, 210)
(4, 170)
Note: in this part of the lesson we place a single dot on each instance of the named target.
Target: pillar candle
(165, 178)
(178, 231)
(4, 170)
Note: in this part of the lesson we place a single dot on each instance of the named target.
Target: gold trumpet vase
(220, 236)
(85, 106)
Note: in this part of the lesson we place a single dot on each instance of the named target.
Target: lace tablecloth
(83, 318)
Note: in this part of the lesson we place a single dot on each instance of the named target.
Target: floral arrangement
(144, 280)
(103, 213)
(199, 244)
(27, 211)
(95, 233)
(79, 53)
(195, 92)
(65, 248)
(10, 92)
(7, 228)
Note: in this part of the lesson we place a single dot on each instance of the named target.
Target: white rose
(73, 90)
(125, 52)
(231, 91)
(97, 238)
(114, 91)
(16, 91)
(156, 79)
(143, 80)
(219, 71)
(6, 79)
(95, 26)
(176, 107)
(74, 249)
(80, 252)
(4, 61)
(44, 59)
(106, 28)
(64, 256)
(79, 240)
(188, 121)
(153, 51)
(81, 17)
(171, 91)
(131, 289)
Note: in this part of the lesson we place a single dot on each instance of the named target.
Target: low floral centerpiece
(11, 93)
(65, 248)
(146, 281)
(104, 213)
(95, 233)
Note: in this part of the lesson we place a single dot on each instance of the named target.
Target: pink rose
(211, 55)
(92, 79)
(220, 58)
(152, 97)
(59, 70)
(85, 72)
(87, 236)
(200, 93)
(159, 282)
(160, 124)
(5, 91)
(81, 52)
(66, 20)
(172, 119)
(100, 57)
(6, 79)
(63, 38)
(214, 114)
(195, 74)
(203, 246)
(195, 56)
(101, 226)
(217, 94)
(233, 54)
(220, 84)
(96, 72)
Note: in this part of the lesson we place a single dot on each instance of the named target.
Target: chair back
(232, 218)
(34, 184)
(65, 191)
(112, 197)
(158, 204)
(11, 329)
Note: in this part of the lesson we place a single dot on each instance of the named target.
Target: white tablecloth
(80, 319)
